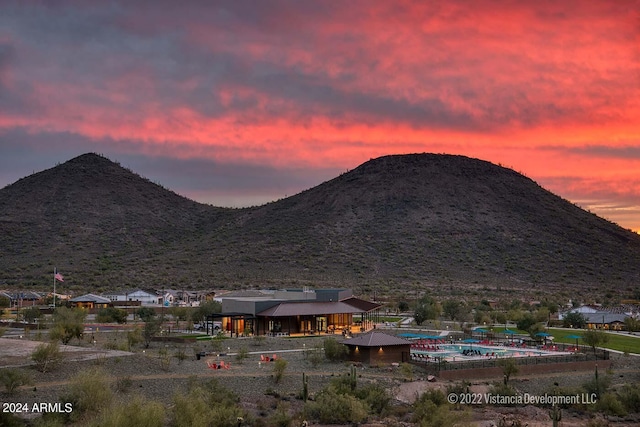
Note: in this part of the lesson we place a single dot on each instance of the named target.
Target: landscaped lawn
(616, 341)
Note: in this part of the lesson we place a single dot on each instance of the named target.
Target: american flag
(59, 277)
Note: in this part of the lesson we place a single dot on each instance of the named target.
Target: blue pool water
(475, 351)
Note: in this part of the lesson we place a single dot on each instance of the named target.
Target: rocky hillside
(407, 219)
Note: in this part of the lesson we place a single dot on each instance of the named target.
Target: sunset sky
(238, 103)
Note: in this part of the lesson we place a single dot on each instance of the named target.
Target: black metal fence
(583, 354)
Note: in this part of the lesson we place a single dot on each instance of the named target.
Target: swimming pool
(458, 352)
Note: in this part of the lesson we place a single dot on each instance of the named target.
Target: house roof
(602, 317)
(363, 305)
(375, 339)
(311, 308)
(28, 295)
(91, 298)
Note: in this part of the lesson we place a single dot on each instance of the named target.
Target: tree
(146, 313)
(68, 323)
(631, 324)
(574, 320)
(426, 309)
(206, 309)
(31, 314)
(403, 306)
(111, 315)
(151, 329)
(451, 309)
(46, 356)
(509, 368)
(595, 338)
(526, 322)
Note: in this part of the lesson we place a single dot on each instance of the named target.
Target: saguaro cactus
(353, 380)
(556, 415)
(305, 387)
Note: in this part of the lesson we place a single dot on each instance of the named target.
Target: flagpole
(55, 270)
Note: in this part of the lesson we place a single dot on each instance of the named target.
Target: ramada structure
(293, 312)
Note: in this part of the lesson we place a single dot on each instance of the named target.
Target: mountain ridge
(415, 219)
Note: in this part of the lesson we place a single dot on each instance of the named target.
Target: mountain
(408, 220)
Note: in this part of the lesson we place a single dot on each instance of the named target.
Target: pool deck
(454, 352)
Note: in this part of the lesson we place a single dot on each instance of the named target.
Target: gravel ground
(146, 374)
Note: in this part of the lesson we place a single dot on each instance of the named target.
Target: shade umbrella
(510, 333)
(574, 337)
(543, 335)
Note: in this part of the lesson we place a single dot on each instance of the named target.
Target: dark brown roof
(363, 305)
(375, 339)
(309, 309)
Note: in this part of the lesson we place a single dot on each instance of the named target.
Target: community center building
(297, 311)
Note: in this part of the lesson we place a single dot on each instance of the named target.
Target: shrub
(432, 409)
(68, 323)
(111, 315)
(333, 350)
(375, 396)
(314, 354)
(47, 356)
(629, 395)
(407, 371)
(242, 354)
(89, 391)
(330, 407)
(14, 378)
(609, 404)
(206, 405)
(279, 366)
(280, 417)
(138, 412)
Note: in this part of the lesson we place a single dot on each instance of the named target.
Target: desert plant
(280, 417)
(556, 415)
(11, 379)
(594, 338)
(375, 396)
(258, 340)
(31, 314)
(68, 323)
(432, 409)
(332, 408)
(314, 354)
(47, 356)
(305, 387)
(89, 391)
(509, 368)
(138, 412)
(279, 366)
(333, 350)
(242, 354)
(180, 354)
(134, 337)
(123, 384)
(206, 405)
(598, 385)
(407, 371)
(151, 329)
(111, 315)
